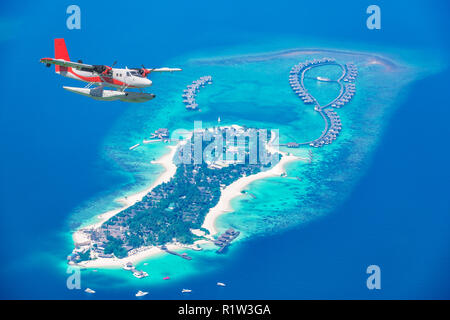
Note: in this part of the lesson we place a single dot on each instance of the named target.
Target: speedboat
(221, 284)
(89, 290)
(141, 293)
(186, 290)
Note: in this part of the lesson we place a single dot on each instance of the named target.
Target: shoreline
(223, 206)
(142, 254)
(169, 171)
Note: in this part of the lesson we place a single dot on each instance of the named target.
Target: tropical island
(172, 210)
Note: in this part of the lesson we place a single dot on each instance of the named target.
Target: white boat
(141, 293)
(186, 290)
(221, 284)
(89, 290)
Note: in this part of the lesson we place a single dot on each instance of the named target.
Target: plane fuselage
(115, 77)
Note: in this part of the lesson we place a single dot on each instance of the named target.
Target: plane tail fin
(61, 53)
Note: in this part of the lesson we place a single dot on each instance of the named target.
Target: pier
(181, 255)
(249, 193)
(331, 119)
(137, 273)
(161, 133)
(189, 94)
(224, 240)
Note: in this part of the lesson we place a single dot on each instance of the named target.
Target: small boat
(186, 291)
(221, 284)
(89, 290)
(141, 293)
(166, 278)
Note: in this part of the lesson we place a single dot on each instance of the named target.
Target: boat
(89, 290)
(141, 293)
(166, 278)
(186, 290)
(221, 284)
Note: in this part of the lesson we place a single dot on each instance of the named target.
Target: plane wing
(165, 69)
(65, 63)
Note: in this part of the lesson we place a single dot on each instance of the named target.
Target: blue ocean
(376, 196)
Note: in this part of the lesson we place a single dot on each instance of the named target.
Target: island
(172, 211)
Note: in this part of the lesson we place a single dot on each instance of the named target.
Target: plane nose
(147, 82)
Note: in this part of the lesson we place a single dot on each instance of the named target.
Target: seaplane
(100, 77)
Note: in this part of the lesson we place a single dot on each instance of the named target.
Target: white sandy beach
(79, 237)
(143, 254)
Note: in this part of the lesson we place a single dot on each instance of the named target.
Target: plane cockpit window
(128, 74)
(135, 73)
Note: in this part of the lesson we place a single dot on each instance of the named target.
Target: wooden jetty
(225, 239)
(181, 255)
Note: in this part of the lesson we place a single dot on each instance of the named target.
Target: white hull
(141, 293)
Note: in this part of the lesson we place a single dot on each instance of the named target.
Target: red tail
(61, 53)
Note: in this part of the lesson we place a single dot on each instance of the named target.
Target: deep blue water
(397, 217)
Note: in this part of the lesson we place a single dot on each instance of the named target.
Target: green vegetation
(84, 256)
(114, 246)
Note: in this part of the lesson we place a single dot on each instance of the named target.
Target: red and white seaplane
(101, 77)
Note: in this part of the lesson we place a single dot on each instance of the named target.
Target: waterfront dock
(225, 239)
(181, 255)
(190, 93)
(161, 133)
(249, 193)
